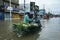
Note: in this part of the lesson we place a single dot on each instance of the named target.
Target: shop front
(1, 16)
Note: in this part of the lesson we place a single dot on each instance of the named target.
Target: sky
(50, 5)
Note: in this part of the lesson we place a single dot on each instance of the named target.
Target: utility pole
(24, 7)
(10, 10)
(44, 8)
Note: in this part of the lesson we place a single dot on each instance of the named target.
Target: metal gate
(1, 15)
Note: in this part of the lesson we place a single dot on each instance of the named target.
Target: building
(1, 10)
(41, 12)
(27, 8)
(15, 11)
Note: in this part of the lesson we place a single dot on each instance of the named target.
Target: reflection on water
(50, 30)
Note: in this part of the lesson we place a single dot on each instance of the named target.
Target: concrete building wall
(1, 2)
(15, 13)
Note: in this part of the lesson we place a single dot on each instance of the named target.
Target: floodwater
(50, 30)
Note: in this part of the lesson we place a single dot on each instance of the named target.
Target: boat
(22, 28)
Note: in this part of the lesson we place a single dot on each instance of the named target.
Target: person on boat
(37, 20)
(27, 18)
(30, 18)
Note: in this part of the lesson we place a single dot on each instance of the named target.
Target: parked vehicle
(45, 17)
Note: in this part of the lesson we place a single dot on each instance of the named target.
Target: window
(15, 6)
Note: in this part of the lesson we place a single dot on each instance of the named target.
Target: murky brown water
(50, 31)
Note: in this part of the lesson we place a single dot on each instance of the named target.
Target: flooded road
(50, 31)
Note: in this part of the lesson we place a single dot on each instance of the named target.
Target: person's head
(27, 13)
(31, 16)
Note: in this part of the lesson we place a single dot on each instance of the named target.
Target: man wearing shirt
(26, 17)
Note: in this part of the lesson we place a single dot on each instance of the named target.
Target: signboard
(36, 8)
(10, 8)
(32, 4)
